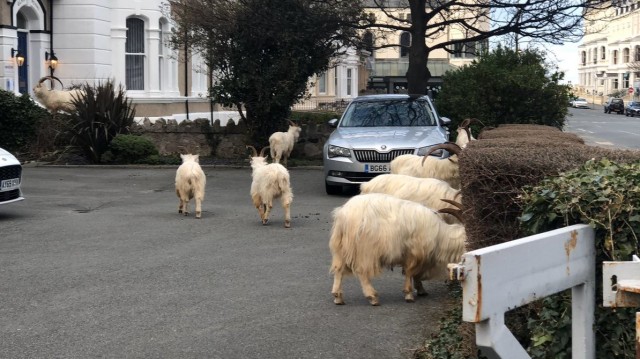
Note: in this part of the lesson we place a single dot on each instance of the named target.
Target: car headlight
(423, 151)
(335, 151)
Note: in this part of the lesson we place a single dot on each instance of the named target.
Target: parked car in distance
(579, 103)
(10, 178)
(632, 109)
(375, 129)
(614, 104)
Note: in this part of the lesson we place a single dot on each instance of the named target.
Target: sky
(566, 57)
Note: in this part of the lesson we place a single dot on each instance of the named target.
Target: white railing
(502, 277)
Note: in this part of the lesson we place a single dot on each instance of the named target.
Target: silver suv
(375, 129)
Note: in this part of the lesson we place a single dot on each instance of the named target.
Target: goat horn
(474, 120)
(262, 151)
(452, 202)
(465, 123)
(291, 123)
(57, 79)
(449, 146)
(44, 79)
(253, 149)
(452, 211)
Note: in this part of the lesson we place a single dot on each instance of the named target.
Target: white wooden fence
(502, 277)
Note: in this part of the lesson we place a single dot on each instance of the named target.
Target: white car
(579, 103)
(10, 178)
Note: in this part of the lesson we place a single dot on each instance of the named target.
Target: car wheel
(332, 189)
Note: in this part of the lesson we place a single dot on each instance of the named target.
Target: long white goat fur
(190, 183)
(270, 181)
(427, 191)
(371, 232)
(281, 143)
(56, 100)
(434, 167)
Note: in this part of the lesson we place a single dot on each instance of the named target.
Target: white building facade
(609, 55)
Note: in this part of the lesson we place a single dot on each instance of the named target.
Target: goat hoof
(374, 301)
(338, 299)
(264, 222)
(287, 224)
(179, 211)
(409, 299)
(422, 293)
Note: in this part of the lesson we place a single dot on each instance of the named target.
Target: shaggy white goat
(56, 100)
(190, 183)
(281, 143)
(270, 181)
(429, 166)
(375, 231)
(464, 132)
(429, 192)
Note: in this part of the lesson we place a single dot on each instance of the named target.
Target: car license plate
(376, 168)
(8, 184)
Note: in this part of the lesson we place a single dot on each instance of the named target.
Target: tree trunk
(418, 74)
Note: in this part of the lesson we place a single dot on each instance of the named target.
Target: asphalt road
(97, 263)
(604, 129)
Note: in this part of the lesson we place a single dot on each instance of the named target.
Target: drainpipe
(186, 74)
(51, 36)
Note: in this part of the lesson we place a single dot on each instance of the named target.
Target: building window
(161, 53)
(584, 58)
(615, 84)
(595, 56)
(134, 54)
(405, 43)
(615, 57)
(625, 55)
(322, 83)
(602, 53)
(368, 42)
(335, 81)
(636, 54)
(348, 82)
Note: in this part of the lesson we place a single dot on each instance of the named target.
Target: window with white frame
(602, 53)
(322, 83)
(625, 55)
(615, 57)
(161, 53)
(349, 77)
(615, 84)
(134, 54)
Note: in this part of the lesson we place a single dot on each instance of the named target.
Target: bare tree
(551, 21)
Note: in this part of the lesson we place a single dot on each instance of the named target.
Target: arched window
(368, 41)
(405, 43)
(134, 54)
(625, 55)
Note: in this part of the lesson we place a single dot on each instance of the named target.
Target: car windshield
(616, 100)
(634, 104)
(389, 113)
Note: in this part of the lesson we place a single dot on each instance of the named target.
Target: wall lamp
(52, 59)
(18, 56)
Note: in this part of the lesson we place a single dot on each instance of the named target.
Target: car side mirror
(445, 121)
(333, 122)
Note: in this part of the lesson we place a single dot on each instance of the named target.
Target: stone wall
(228, 142)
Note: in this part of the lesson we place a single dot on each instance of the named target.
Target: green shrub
(320, 118)
(102, 112)
(605, 195)
(132, 148)
(20, 118)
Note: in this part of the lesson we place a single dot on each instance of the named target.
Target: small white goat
(464, 132)
(56, 100)
(281, 143)
(375, 231)
(429, 166)
(429, 192)
(270, 181)
(190, 183)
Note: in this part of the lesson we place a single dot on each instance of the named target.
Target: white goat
(190, 183)
(375, 231)
(281, 143)
(464, 132)
(429, 192)
(429, 166)
(56, 100)
(270, 181)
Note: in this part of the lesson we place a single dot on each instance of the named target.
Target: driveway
(96, 262)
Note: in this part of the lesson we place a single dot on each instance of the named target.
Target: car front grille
(9, 172)
(374, 156)
(9, 195)
(359, 176)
